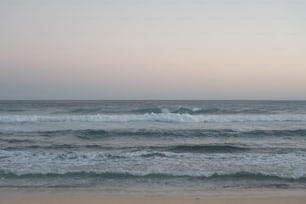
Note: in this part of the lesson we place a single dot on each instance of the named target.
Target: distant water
(198, 144)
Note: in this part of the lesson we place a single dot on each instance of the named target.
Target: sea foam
(152, 117)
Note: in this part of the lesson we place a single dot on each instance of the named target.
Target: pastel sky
(161, 49)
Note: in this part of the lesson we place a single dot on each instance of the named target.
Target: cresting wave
(200, 144)
(119, 175)
(198, 111)
(152, 117)
(179, 110)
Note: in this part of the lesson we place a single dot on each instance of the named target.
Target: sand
(95, 196)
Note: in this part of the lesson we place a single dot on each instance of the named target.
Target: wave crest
(126, 175)
(152, 117)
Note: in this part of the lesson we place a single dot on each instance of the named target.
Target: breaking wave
(126, 175)
(152, 117)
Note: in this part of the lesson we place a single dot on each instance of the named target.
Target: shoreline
(134, 196)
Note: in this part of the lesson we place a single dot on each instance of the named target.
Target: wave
(89, 134)
(95, 134)
(126, 175)
(150, 110)
(83, 110)
(156, 109)
(98, 134)
(197, 111)
(153, 117)
(296, 132)
(11, 110)
(157, 151)
(82, 134)
(58, 146)
(206, 149)
(144, 151)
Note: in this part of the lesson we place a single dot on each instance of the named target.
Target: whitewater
(199, 144)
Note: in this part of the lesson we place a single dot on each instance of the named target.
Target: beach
(95, 196)
(153, 102)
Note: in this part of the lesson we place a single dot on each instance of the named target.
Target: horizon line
(152, 99)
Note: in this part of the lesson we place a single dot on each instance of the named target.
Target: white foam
(290, 165)
(151, 117)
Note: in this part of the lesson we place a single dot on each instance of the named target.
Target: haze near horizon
(210, 49)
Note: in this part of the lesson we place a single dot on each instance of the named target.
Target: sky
(161, 49)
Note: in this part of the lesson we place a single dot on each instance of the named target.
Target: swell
(84, 110)
(88, 134)
(119, 175)
(94, 134)
(206, 149)
(150, 150)
(296, 132)
(154, 117)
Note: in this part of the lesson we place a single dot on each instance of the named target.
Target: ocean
(123, 144)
